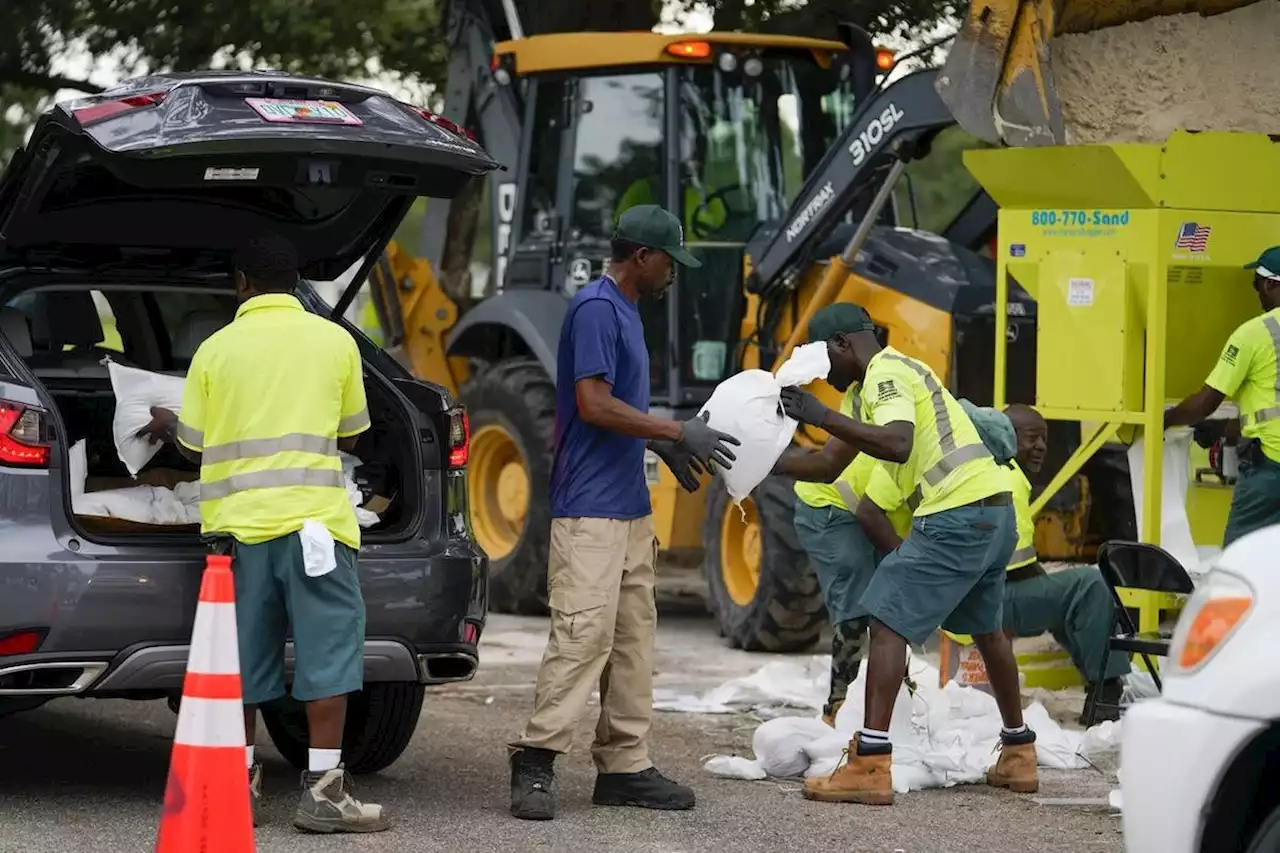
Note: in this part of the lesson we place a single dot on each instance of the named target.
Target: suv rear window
(85, 320)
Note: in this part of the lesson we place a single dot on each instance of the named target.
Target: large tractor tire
(763, 592)
(512, 408)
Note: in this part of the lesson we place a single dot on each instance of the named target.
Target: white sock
(320, 760)
(1005, 730)
(873, 737)
(248, 755)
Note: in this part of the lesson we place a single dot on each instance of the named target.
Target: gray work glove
(802, 406)
(680, 462)
(708, 446)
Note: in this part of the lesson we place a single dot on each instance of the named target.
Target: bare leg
(250, 724)
(1002, 668)
(886, 662)
(325, 719)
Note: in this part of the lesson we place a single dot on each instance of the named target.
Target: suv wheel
(380, 723)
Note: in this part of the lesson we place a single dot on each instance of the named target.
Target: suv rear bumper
(121, 625)
(161, 668)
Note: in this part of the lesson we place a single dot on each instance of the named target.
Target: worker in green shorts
(831, 481)
(1074, 605)
(1246, 372)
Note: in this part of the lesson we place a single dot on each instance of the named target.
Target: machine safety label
(1080, 292)
(1080, 223)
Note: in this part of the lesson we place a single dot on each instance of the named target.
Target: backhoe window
(617, 159)
(746, 144)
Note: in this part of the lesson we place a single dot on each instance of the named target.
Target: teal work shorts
(841, 555)
(276, 600)
(948, 572)
(1255, 502)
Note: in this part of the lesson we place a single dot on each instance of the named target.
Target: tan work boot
(1016, 768)
(857, 779)
(327, 806)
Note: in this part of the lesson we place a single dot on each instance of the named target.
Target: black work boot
(647, 789)
(533, 774)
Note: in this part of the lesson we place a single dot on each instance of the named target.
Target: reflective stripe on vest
(1273, 412)
(1023, 555)
(254, 447)
(190, 437)
(847, 495)
(270, 480)
(952, 457)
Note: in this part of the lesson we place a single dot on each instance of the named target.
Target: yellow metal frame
(1229, 181)
(585, 50)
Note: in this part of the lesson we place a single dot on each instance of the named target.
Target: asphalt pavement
(80, 775)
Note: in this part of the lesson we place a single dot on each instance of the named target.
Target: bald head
(1033, 435)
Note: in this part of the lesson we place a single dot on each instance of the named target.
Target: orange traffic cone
(206, 802)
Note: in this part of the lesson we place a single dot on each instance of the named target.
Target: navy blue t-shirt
(598, 473)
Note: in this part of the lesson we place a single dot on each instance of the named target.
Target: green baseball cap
(655, 228)
(841, 317)
(1268, 264)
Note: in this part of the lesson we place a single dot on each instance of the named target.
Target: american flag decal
(1193, 236)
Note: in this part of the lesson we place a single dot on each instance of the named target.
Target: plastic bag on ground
(136, 392)
(746, 406)
(941, 736)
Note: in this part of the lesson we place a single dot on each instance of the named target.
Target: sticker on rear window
(230, 173)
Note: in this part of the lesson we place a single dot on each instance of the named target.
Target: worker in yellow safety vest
(1074, 604)
(950, 568)
(269, 401)
(830, 483)
(1246, 372)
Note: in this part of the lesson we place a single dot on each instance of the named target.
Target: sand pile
(1140, 82)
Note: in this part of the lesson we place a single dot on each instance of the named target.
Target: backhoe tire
(785, 613)
(381, 720)
(512, 401)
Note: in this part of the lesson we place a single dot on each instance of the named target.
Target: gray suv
(117, 223)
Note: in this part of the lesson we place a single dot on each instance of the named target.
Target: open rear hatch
(173, 172)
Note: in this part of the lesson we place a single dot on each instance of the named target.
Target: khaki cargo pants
(600, 578)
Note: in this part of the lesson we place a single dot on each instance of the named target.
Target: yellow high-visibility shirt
(1246, 372)
(818, 495)
(1024, 553)
(949, 466)
(265, 402)
(869, 478)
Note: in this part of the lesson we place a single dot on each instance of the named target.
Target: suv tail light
(459, 437)
(21, 643)
(107, 109)
(22, 436)
(441, 121)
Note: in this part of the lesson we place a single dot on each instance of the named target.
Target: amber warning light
(884, 59)
(690, 49)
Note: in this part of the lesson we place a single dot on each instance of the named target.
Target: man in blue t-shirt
(600, 572)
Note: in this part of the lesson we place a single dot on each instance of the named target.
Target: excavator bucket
(998, 78)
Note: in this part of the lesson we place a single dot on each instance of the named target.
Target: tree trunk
(460, 238)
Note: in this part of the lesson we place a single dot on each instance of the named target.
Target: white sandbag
(779, 744)
(734, 767)
(136, 392)
(746, 405)
(78, 469)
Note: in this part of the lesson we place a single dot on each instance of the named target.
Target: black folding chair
(1135, 565)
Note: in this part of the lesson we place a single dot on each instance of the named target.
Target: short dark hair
(269, 263)
(622, 250)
